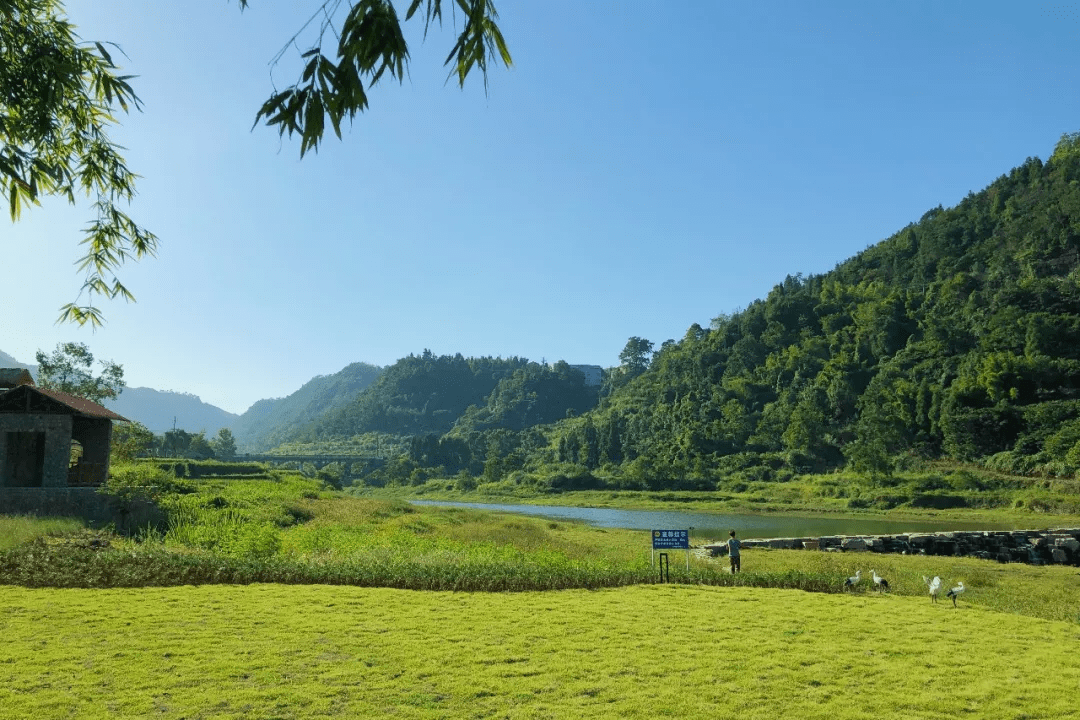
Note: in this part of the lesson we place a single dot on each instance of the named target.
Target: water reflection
(714, 525)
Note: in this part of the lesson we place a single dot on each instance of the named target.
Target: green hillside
(957, 338)
(268, 423)
(419, 394)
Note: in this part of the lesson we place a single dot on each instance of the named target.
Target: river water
(715, 525)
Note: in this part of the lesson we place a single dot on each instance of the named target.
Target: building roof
(13, 377)
(26, 398)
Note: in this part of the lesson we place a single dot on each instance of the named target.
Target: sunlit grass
(640, 652)
(332, 640)
(18, 529)
(1047, 591)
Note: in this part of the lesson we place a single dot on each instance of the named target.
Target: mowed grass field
(647, 651)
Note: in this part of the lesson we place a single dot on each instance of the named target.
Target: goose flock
(933, 585)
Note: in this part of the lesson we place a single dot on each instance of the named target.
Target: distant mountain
(10, 362)
(268, 423)
(158, 410)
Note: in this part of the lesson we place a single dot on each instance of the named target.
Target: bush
(211, 468)
(142, 481)
(1011, 462)
(939, 502)
(565, 476)
(464, 482)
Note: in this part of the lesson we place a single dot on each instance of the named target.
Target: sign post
(671, 540)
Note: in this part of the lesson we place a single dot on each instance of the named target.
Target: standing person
(733, 546)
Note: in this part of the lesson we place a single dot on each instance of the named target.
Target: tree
(224, 445)
(69, 369)
(175, 443)
(369, 43)
(199, 447)
(1068, 145)
(131, 440)
(58, 99)
(636, 355)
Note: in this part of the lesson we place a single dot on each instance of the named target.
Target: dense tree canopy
(418, 394)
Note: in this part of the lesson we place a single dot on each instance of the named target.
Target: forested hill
(427, 396)
(959, 336)
(419, 394)
(268, 423)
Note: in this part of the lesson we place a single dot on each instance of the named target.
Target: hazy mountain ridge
(158, 410)
(10, 362)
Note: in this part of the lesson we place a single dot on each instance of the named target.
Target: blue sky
(642, 167)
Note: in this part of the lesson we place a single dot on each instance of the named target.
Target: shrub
(938, 502)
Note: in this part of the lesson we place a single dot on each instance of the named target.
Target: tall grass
(19, 529)
(291, 530)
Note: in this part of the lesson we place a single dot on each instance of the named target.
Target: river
(715, 525)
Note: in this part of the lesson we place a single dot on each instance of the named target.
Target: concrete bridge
(319, 461)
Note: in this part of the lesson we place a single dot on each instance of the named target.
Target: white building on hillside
(593, 373)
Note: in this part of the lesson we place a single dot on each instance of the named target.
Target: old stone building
(50, 439)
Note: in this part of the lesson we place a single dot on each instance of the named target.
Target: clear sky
(642, 167)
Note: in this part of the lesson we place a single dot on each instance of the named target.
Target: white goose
(955, 592)
(882, 583)
(934, 586)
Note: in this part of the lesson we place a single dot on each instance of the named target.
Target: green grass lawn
(273, 651)
(711, 646)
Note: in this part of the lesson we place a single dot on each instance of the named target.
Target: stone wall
(52, 472)
(1036, 547)
(85, 503)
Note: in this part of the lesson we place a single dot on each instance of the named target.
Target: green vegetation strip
(642, 652)
(293, 531)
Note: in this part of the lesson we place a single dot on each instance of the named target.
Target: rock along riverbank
(1034, 547)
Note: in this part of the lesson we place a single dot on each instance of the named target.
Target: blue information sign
(671, 539)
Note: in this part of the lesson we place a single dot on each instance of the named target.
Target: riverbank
(724, 503)
(1034, 547)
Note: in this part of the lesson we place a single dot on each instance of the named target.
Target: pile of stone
(1035, 547)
